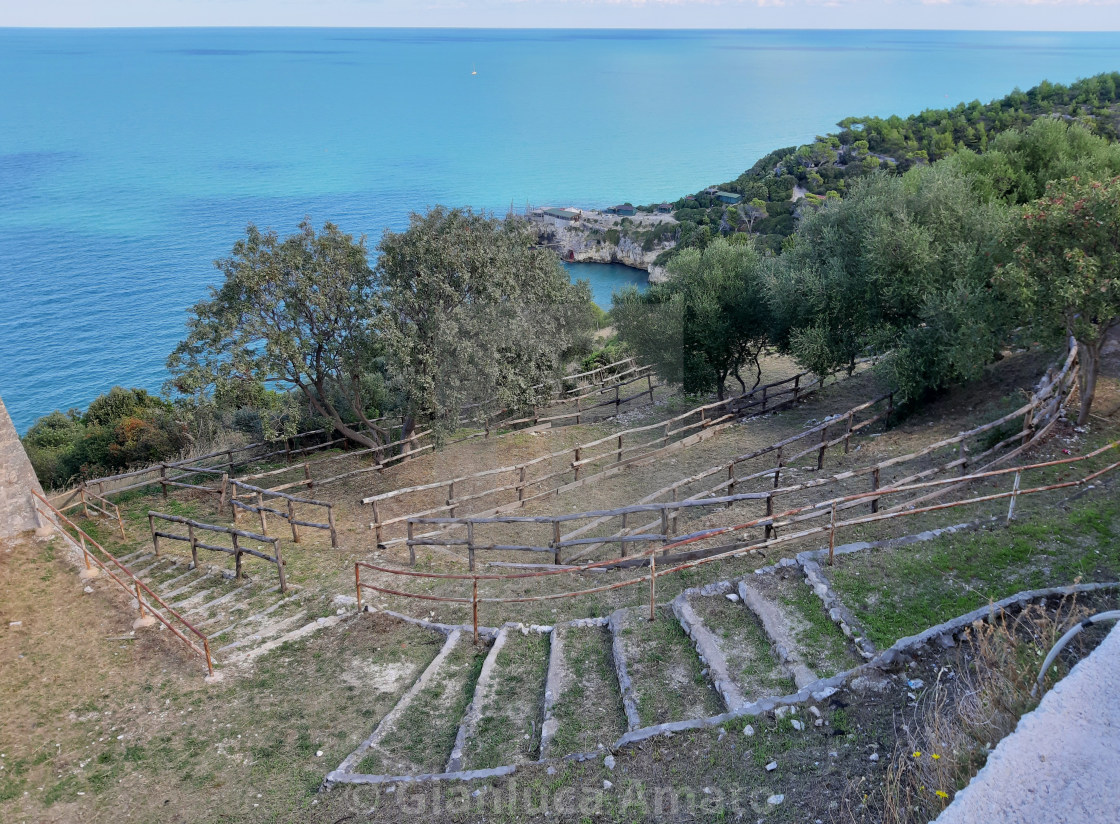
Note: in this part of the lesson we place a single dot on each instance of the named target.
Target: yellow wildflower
(935, 756)
(941, 794)
(917, 753)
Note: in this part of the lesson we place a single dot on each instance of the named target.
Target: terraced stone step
(731, 641)
(660, 676)
(503, 724)
(418, 735)
(806, 640)
(583, 708)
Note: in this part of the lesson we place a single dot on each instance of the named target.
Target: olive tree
(296, 314)
(474, 314)
(1067, 268)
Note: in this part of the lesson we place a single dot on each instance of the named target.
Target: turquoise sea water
(130, 159)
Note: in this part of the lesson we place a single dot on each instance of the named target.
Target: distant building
(665, 208)
(563, 215)
(728, 197)
(711, 190)
(626, 209)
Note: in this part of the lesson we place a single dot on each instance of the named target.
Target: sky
(1035, 15)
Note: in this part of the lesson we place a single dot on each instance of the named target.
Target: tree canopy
(1067, 268)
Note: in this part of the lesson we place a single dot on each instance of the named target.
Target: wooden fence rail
(1039, 416)
(136, 588)
(236, 550)
(691, 560)
(288, 513)
(602, 458)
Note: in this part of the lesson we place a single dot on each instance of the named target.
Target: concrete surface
(1061, 765)
(17, 479)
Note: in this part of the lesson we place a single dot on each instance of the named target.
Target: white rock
(775, 800)
(781, 712)
(731, 596)
(797, 725)
(551, 771)
(748, 731)
(873, 757)
(607, 785)
(608, 762)
(318, 753)
(825, 694)
(813, 711)
(773, 765)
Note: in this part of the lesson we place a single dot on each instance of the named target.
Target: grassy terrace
(899, 592)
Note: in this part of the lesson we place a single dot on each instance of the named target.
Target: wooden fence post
(730, 481)
(556, 542)
(824, 446)
(769, 533)
(358, 584)
(260, 509)
(764, 396)
(307, 477)
(963, 460)
(330, 523)
(832, 534)
(649, 378)
(664, 524)
(470, 545)
(874, 487)
(575, 463)
(1014, 497)
(236, 557)
(618, 458)
(451, 497)
(676, 512)
(652, 586)
(778, 468)
(163, 479)
(848, 434)
(521, 484)
(229, 461)
(225, 492)
(796, 387)
(411, 547)
(139, 600)
(474, 606)
(280, 564)
(288, 451)
(85, 552)
(155, 538)
(292, 521)
(85, 506)
(194, 546)
(617, 402)
(376, 523)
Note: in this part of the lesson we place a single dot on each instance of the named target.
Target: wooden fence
(667, 553)
(584, 463)
(131, 584)
(236, 550)
(288, 513)
(90, 501)
(1038, 417)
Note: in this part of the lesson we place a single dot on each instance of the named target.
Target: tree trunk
(1089, 361)
(329, 411)
(408, 426)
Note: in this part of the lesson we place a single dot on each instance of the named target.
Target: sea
(131, 159)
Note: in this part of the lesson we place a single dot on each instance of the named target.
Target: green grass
(589, 710)
(898, 592)
(512, 710)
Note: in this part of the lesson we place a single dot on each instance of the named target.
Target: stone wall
(17, 479)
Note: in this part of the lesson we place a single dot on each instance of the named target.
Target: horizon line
(139, 27)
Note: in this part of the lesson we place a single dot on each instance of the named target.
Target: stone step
(141, 556)
(265, 632)
(250, 619)
(158, 562)
(732, 644)
(166, 585)
(583, 704)
(503, 725)
(206, 577)
(659, 673)
(209, 605)
(430, 674)
(252, 653)
(806, 640)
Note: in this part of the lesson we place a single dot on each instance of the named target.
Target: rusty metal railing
(134, 587)
(821, 509)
